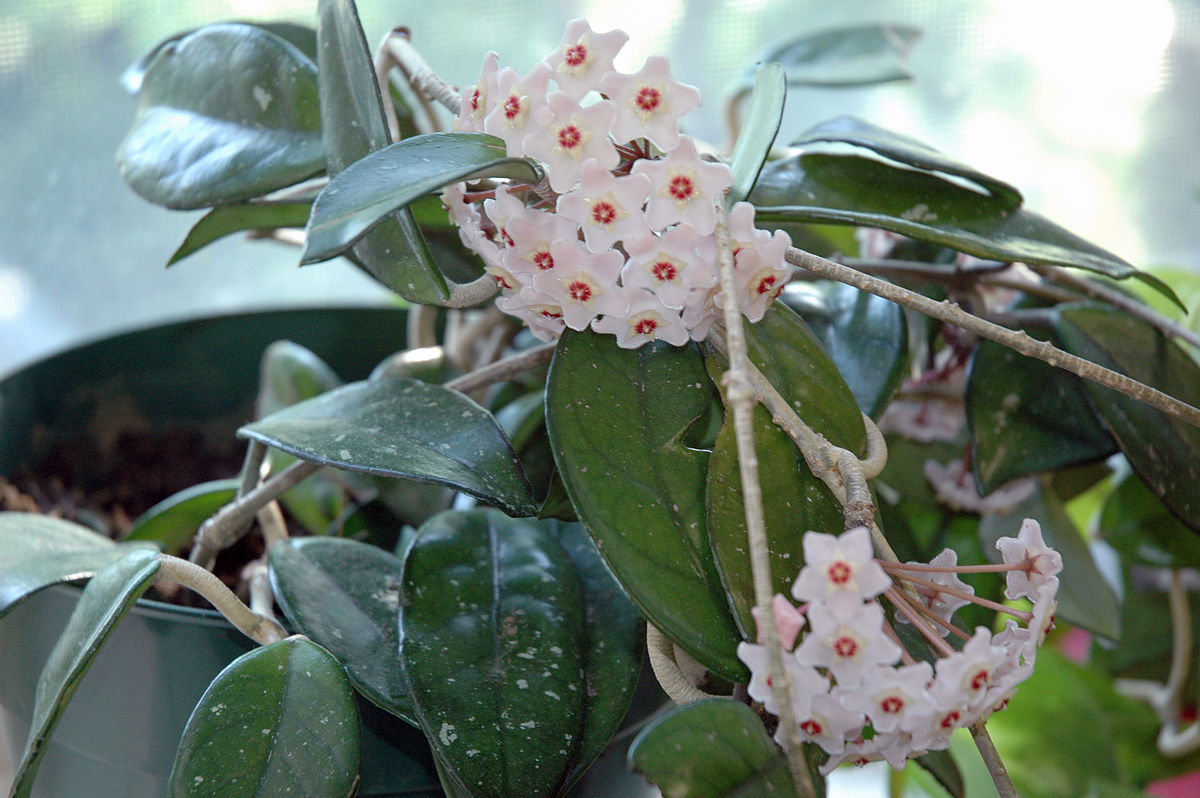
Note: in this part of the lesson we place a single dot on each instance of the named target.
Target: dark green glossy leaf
(491, 641)
(365, 192)
(854, 55)
(291, 373)
(905, 150)
(865, 336)
(1084, 597)
(403, 428)
(105, 600)
(279, 720)
(302, 37)
(345, 596)
(37, 551)
(941, 765)
(758, 131)
(230, 219)
(613, 644)
(618, 420)
(174, 521)
(857, 190)
(1163, 450)
(1139, 525)
(225, 114)
(395, 253)
(711, 749)
(794, 501)
(1026, 417)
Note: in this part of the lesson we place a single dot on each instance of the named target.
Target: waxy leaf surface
(37, 551)
(711, 748)
(1139, 525)
(174, 521)
(853, 55)
(279, 720)
(226, 113)
(1163, 450)
(353, 125)
(344, 595)
(105, 600)
(492, 643)
(763, 118)
(399, 427)
(229, 219)
(368, 190)
(619, 421)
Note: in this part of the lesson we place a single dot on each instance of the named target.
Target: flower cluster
(622, 238)
(856, 691)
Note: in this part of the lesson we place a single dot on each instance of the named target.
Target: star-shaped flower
(1039, 563)
(584, 57)
(970, 671)
(532, 232)
(685, 188)
(847, 640)
(566, 135)
(806, 681)
(830, 724)
(840, 569)
(518, 97)
(646, 319)
(607, 208)
(583, 283)
(475, 98)
(894, 698)
(675, 265)
(540, 312)
(649, 103)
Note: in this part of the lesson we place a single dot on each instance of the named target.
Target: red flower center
(645, 326)
(892, 704)
(579, 291)
(951, 719)
(979, 680)
(551, 314)
(576, 55)
(845, 646)
(474, 101)
(543, 259)
(648, 99)
(766, 285)
(840, 572)
(664, 271)
(569, 137)
(604, 213)
(811, 727)
(681, 188)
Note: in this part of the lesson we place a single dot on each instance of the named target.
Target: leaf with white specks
(280, 720)
(492, 644)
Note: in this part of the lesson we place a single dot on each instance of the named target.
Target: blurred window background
(1090, 109)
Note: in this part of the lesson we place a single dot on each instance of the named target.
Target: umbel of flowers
(621, 234)
(856, 691)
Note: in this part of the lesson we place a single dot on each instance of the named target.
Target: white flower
(840, 569)
(954, 486)
(829, 724)
(646, 319)
(943, 605)
(685, 188)
(583, 283)
(607, 208)
(846, 640)
(968, 673)
(675, 265)
(806, 681)
(649, 103)
(583, 58)
(566, 135)
(1039, 563)
(475, 98)
(511, 115)
(894, 698)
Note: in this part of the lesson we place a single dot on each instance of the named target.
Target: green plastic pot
(118, 736)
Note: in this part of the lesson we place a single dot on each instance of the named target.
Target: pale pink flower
(646, 319)
(924, 421)
(532, 233)
(1044, 605)
(1039, 563)
(539, 311)
(685, 188)
(840, 569)
(607, 208)
(584, 57)
(943, 605)
(463, 214)
(954, 486)
(894, 698)
(649, 103)
(475, 98)
(829, 724)
(499, 210)
(788, 621)
(806, 681)
(583, 283)
(517, 98)
(566, 135)
(969, 672)
(761, 278)
(847, 640)
(677, 266)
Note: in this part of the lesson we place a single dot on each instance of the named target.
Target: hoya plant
(830, 426)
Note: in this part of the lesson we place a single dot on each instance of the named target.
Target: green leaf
(105, 600)
(353, 124)
(710, 749)
(302, 37)
(1084, 596)
(226, 113)
(848, 189)
(1143, 530)
(866, 337)
(613, 644)
(289, 374)
(174, 521)
(345, 596)
(1026, 417)
(853, 55)
(37, 551)
(1163, 450)
(400, 427)
(903, 149)
(759, 131)
(230, 219)
(491, 641)
(365, 192)
(941, 766)
(279, 720)
(618, 421)
(794, 501)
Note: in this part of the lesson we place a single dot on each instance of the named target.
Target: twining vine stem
(258, 628)
(1017, 340)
